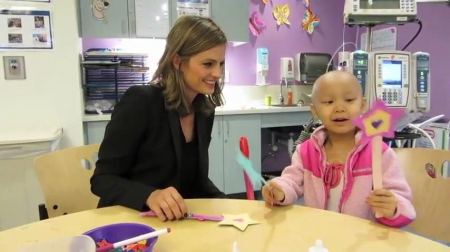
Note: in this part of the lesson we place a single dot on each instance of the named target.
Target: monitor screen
(380, 4)
(392, 73)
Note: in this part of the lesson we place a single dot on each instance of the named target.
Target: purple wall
(434, 41)
(285, 41)
(431, 39)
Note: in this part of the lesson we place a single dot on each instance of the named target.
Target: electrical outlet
(14, 67)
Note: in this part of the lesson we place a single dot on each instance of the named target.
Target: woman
(155, 150)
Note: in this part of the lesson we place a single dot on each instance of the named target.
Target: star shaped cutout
(103, 243)
(378, 121)
(240, 221)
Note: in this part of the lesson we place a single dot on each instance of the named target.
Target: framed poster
(194, 7)
(38, 1)
(25, 29)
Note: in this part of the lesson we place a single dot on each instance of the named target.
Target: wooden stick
(377, 172)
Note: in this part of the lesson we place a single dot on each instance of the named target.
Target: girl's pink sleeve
(394, 181)
(291, 179)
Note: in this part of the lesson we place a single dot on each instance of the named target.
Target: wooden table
(291, 228)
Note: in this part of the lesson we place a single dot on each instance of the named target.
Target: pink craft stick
(191, 216)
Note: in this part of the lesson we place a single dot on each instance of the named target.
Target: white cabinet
(227, 131)
(216, 155)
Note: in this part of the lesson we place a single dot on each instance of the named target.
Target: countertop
(225, 110)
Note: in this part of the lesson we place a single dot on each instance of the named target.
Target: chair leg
(43, 214)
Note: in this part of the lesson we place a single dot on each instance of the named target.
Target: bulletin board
(25, 29)
(152, 18)
(382, 39)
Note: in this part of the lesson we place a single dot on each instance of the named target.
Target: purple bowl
(121, 231)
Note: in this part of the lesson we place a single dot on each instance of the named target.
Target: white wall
(51, 95)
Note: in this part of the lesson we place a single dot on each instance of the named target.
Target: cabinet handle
(123, 27)
(219, 129)
(228, 130)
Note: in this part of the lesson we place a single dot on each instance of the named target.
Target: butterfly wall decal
(310, 21)
(256, 25)
(306, 3)
(281, 14)
(265, 1)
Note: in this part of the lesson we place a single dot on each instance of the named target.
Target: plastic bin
(18, 148)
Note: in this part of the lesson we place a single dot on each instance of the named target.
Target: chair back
(423, 169)
(64, 177)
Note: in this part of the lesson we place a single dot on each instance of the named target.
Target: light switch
(14, 67)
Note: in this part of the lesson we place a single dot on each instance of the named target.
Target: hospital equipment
(399, 78)
(364, 12)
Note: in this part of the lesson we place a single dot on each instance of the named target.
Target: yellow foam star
(233, 220)
(382, 117)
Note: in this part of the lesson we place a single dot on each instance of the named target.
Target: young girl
(332, 170)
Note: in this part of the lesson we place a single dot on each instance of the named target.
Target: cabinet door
(236, 126)
(235, 25)
(95, 132)
(232, 16)
(104, 18)
(216, 154)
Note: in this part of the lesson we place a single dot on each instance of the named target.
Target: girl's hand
(384, 202)
(272, 192)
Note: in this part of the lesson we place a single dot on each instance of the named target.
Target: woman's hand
(167, 204)
(384, 202)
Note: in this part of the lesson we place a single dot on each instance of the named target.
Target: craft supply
(246, 164)
(254, 176)
(256, 25)
(133, 247)
(200, 217)
(245, 150)
(240, 221)
(113, 233)
(375, 124)
(318, 247)
(130, 241)
(281, 14)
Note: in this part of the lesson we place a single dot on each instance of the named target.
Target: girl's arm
(394, 181)
(291, 180)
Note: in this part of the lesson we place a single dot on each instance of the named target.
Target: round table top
(289, 228)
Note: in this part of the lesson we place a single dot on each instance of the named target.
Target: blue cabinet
(124, 18)
(104, 19)
(231, 15)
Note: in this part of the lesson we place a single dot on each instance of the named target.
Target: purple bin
(121, 231)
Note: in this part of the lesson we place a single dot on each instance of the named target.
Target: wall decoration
(194, 7)
(266, 1)
(39, 1)
(310, 20)
(99, 8)
(26, 29)
(256, 25)
(281, 14)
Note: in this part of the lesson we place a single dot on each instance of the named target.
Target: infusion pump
(400, 79)
(379, 11)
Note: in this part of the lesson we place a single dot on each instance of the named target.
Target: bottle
(290, 96)
(235, 247)
(318, 247)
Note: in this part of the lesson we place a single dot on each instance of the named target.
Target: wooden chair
(431, 192)
(64, 178)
